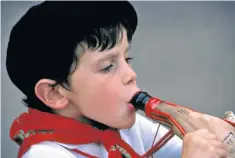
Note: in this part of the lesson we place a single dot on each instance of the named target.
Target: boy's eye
(107, 68)
(129, 59)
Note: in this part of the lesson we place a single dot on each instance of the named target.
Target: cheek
(106, 95)
(96, 97)
(104, 104)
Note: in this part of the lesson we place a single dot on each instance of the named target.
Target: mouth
(131, 107)
(131, 102)
(133, 97)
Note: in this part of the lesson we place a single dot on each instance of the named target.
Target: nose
(129, 75)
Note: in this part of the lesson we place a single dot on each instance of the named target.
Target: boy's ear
(50, 95)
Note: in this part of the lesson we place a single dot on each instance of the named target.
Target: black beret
(43, 41)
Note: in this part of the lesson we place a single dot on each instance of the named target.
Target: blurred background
(184, 52)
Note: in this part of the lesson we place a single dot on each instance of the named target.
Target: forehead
(121, 47)
(89, 59)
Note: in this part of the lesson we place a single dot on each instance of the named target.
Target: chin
(128, 123)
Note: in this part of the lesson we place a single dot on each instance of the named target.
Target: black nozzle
(139, 100)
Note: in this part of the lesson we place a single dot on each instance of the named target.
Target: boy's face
(103, 84)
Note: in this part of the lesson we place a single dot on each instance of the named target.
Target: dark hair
(43, 42)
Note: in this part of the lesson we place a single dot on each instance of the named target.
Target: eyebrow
(112, 55)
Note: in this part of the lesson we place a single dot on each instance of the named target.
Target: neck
(95, 124)
(74, 114)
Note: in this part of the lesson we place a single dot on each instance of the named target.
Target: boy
(71, 61)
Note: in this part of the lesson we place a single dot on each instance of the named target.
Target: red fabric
(231, 123)
(64, 130)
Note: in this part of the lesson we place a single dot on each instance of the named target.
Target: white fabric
(140, 137)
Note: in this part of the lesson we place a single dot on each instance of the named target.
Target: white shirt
(140, 137)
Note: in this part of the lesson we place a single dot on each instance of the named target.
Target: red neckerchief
(36, 126)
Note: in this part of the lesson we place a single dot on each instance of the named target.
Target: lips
(129, 102)
(131, 107)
